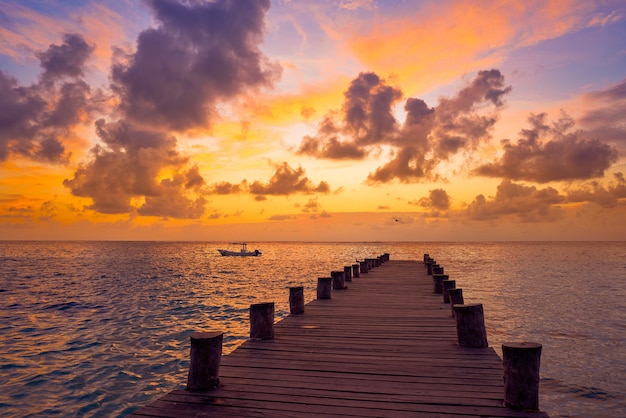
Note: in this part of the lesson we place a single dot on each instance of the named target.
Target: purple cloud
(199, 55)
(35, 119)
(527, 203)
(551, 153)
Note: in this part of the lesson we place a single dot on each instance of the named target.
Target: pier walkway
(384, 347)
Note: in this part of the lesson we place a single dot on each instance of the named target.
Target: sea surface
(98, 329)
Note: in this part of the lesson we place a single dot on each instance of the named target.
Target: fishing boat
(243, 252)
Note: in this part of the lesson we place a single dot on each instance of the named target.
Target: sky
(294, 120)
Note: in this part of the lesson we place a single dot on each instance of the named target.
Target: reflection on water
(99, 328)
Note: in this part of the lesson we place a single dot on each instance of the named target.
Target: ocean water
(98, 329)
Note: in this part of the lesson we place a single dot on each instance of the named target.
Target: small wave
(61, 306)
(588, 392)
(11, 366)
(591, 393)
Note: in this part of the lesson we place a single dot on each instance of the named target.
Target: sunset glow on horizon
(289, 120)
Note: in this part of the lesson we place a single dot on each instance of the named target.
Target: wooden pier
(384, 347)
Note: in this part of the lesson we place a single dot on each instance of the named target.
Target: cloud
(66, 60)
(226, 188)
(458, 124)
(312, 206)
(427, 137)
(36, 119)
(366, 118)
(595, 192)
(127, 166)
(551, 153)
(172, 200)
(286, 181)
(437, 199)
(604, 114)
(281, 217)
(199, 55)
(528, 203)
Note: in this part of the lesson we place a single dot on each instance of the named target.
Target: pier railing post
(447, 285)
(355, 271)
(438, 283)
(456, 297)
(429, 266)
(296, 300)
(324, 286)
(347, 273)
(363, 265)
(262, 321)
(204, 360)
(470, 325)
(338, 279)
(521, 375)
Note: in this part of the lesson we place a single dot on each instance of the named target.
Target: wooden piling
(521, 375)
(456, 297)
(355, 271)
(470, 325)
(347, 273)
(447, 285)
(438, 283)
(296, 300)
(204, 360)
(262, 321)
(338, 280)
(363, 267)
(324, 286)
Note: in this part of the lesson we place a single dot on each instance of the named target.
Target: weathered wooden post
(347, 273)
(204, 360)
(447, 285)
(437, 269)
(324, 285)
(363, 265)
(521, 375)
(438, 283)
(296, 300)
(426, 257)
(456, 297)
(429, 267)
(262, 321)
(470, 325)
(338, 280)
(355, 271)
(386, 257)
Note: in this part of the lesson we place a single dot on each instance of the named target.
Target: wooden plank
(384, 347)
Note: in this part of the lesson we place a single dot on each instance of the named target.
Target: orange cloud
(469, 37)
